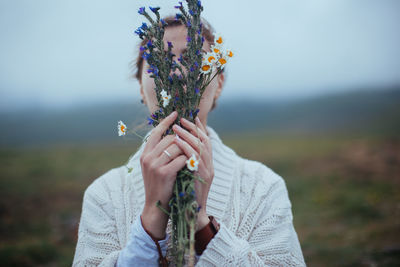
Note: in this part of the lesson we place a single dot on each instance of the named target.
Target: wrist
(154, 222)
(202, 221)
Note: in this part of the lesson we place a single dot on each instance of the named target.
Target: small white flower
(206, 68)
(165, 97)
(218, 40)
(192, 163)
(121, 128)
(228, 53)
(210, 58)
(221, 62)
(216, 49)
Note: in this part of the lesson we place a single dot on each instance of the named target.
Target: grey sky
(58, 53)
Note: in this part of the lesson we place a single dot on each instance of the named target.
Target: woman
(245, 217)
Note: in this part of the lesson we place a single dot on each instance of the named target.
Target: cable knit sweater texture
(248, 199)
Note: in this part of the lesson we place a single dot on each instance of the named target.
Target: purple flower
(150, 44)
(188, 39)
(191, 69)
(180, 5)
(198, 52)
(178, 16)
(163, 23)
(181, 194)
(196, 64)
(146, 55)
(191, 12)
(153, 69)
(180, 59)
(199, 3)
(150, 121)
(202, 39)
(143, 48)
(198, 208)
(154, 9)
(144, 26)
(196, 111)
(154, 116)
(196, 90)
(189, 24)
(139, 32)
(141, 11)
(169, 44)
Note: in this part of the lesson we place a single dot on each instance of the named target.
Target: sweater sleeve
(98, 242)
(141, 249)
(264, 237)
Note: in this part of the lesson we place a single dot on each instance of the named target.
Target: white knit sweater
(248, 199)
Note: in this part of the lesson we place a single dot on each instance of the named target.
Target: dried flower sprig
(179, 86)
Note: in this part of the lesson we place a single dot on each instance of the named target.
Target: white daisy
(165, 97)
(221, 62)
(121, 128)
(206, 68)
(218, 40)
(192, 163)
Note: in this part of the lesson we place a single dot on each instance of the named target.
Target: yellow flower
(121, 128)
(192, 163)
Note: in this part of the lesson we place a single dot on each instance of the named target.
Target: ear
(220, 82)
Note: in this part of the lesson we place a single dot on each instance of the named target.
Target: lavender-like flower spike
(178, 16)
(141, 11)
(180, 5)
(144, 26)
(154, 9)
(163, 23)
(169, 44)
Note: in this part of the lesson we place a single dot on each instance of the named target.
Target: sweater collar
(224, 160)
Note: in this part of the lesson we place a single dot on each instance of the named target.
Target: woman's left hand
(195, 141)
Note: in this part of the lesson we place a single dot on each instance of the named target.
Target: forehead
(177, 36)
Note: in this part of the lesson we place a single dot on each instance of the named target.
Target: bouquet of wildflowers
(182, 93)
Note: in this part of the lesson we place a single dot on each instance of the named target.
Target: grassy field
(344, 191)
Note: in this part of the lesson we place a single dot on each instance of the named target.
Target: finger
(173, 150)
(177, 164)
(186, 148)
(195, 130)
(201, 126)
(157, 133)
(161, 146)
(188, 137)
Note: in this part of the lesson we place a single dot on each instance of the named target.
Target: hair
(207, 33)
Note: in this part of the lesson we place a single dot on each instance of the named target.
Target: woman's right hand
(159, 174)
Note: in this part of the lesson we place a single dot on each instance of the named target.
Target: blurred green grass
(344, 192)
